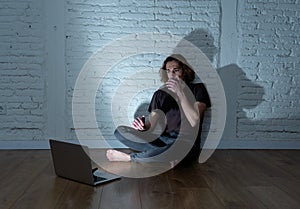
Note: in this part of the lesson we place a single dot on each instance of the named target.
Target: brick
(268, 48)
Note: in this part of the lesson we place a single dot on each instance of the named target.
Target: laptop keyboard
(98, 176)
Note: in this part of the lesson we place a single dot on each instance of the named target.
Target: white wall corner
(229, 33)
(228, 59)
(55, 69)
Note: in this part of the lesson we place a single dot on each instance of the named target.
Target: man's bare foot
(114, 155)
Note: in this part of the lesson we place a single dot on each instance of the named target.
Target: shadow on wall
(241, 93)
(204, 41)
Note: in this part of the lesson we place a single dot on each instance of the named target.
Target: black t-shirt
(165, 101)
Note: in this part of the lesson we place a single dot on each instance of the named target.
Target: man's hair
(188, 74)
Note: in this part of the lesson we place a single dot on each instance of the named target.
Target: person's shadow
(241, 93)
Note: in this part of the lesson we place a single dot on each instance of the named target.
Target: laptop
(72, 161)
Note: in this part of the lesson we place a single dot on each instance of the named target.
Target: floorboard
(230, 179)
(123, 194)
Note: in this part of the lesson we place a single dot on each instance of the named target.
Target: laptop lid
(72, 161)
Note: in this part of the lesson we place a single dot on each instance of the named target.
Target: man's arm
(155, 118)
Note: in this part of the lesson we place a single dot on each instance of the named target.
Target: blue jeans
(146, 144)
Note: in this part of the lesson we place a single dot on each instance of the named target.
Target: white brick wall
(269, 55)
(259, 37)
(92, 24)
(22, 77)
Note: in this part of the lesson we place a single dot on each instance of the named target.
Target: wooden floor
(254, 179)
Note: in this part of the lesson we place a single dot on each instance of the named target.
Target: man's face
(173, 69)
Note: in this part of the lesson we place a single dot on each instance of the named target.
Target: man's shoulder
(163, 91)
(197, 86)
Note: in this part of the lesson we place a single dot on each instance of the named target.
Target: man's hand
(139, 123)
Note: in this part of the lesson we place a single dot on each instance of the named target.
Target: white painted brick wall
(267, 42)
(22, 98)
(92, 24)
(269, 56)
